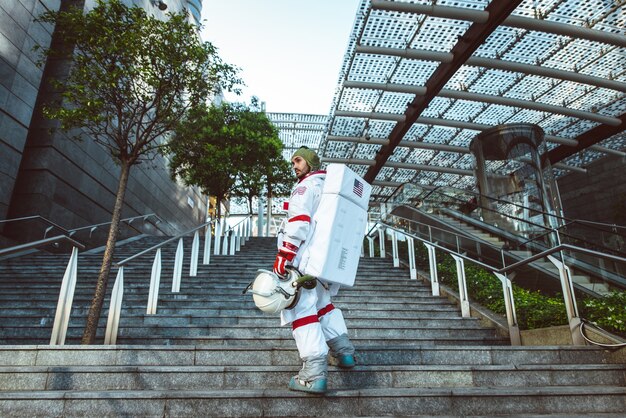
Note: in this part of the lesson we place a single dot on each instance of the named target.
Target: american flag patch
(299, 190)
(358, 188)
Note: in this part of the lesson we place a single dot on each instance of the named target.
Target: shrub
(534, 309)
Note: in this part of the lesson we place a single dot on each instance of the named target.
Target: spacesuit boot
(342, 349)
(312, 378)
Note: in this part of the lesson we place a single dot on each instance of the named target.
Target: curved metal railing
(408, 228)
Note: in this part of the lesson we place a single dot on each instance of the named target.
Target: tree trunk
(93, 317)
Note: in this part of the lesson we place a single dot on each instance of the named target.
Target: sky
(290, 52)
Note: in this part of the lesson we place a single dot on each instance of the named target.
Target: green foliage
(133, 77)
(220, 147)
(279, 178)
(608, 312)
(534, 309)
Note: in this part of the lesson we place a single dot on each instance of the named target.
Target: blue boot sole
(346, 361)
(317, 386)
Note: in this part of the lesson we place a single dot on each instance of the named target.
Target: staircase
(544, 265)
(209, 352)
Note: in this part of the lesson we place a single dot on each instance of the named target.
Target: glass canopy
(421, 79)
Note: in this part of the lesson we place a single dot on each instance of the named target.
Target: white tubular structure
(509, 304)
(371, 242)
(178, 267)
(394, 248)
(225, 243)
(238, 238)
(432, 263)
(155, 281)
(410, 243)
(66, 297)
(567, 286)
(381, 241)
(206, 256)
(460, 273)
(218, 237)
(244, 232)
(233, 242)
(195, 247)
(115, 307)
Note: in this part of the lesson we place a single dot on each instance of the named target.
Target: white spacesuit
(317, 325)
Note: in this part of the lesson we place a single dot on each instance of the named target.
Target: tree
(133, 77)
(217, 146)
(249, 185)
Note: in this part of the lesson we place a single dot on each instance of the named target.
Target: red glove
(284, 256)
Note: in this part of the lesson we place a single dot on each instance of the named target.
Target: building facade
(71, 183)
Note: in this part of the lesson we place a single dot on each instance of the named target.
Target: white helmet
(272, 294)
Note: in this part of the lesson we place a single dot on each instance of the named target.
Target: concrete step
(216, 355)
(362, 377)
(444, 311)
(266, 321)
(239, 331)
(349, 403)
(40, 335)
(242, 318)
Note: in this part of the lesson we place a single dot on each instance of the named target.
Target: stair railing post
(206, 256)
(115, 307)
(371, 242)
(178, 267)
(238, 238)
(226, 237)
(155, 282)
(567, 286)
(509, 305)
(195, 247)
(460, 273)
(233, 242)
(218, 237)
(432, 264)
(394, 248)
(410, 243)
(66, 297)
(381, 241)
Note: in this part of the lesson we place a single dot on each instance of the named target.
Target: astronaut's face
(300, 167)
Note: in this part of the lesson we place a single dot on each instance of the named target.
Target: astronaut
(317, 325)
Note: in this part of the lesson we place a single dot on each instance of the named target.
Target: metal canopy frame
(421, 78)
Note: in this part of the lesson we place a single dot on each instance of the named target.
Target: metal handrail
(39, 243)
(569, 220)
(127, 220)
(66, 232)
(154, 247)
(504, 269)
(575, 322)
(118, 288)
(40, 218)
(244, 219)
(548, 230)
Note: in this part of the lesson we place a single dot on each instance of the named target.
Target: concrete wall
(597, 195)
(71, 183)
(19, 83)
